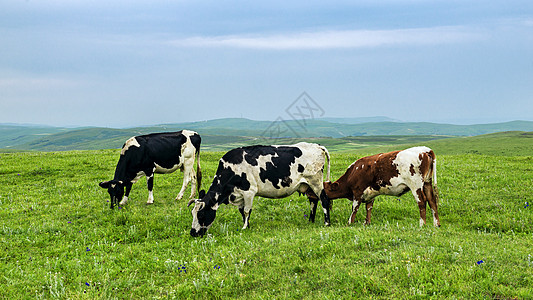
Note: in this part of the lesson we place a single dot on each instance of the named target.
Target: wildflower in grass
(527, 205)
(480, 262)
(216, 267)
(88, 249)
(183, 269)
(69, 222)
(87, 284)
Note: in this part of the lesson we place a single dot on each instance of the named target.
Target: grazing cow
(266, 171)
(156, 153)
(393, 173)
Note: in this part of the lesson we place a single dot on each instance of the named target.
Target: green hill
(223, 134)
(510, 143)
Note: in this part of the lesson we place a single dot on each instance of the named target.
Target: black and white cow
(161, 153)
(266, 171)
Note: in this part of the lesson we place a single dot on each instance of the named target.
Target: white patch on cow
(162, 170)
(403, 162)
(150, 197)
(138, 176)
(188, 133)
(435, 221)
(113, 185)
(195, 223)
(131, 142)
(422, 222)
(123, 201)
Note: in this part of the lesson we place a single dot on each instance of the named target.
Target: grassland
(59, 239)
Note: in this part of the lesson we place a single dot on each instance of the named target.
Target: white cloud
(336, 39)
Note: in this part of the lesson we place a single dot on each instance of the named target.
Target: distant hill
(509, 143)
(225, 133)
(359, 120)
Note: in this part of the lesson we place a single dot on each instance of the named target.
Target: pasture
(60, 239)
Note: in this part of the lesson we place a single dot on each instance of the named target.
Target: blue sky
(127, 63)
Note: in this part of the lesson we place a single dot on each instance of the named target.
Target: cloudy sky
(126, 63)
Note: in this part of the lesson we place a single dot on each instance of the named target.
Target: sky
(128, 63)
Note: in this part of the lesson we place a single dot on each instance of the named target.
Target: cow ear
(104, 184)
(201, 194)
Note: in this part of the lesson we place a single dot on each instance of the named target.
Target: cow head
(115, 189)
(331, 186)
(203, 214)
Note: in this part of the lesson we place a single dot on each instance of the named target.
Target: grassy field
(59, 239)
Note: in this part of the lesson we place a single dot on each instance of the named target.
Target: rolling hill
(223, 134)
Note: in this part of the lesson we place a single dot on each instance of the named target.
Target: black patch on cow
(196, 140)
(225, 184)
(277, 171)
(300, 168)
(163, 149)
(234, 156)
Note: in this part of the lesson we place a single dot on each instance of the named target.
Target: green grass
(59, 239)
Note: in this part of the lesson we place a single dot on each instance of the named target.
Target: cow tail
(329, 162)
(434, 171)
(198, 171)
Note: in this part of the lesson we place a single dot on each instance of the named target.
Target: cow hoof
(149, 203)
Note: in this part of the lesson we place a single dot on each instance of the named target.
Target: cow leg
(326, 206)
(432, 199)
(241, 210)
(126, 194)
(355, 208)
(188, 176)
(420, 198)
(247, 209)
(312, 214)
(150, 183)
(369, 206)
(313, 201)
(245, 217)
(316, 187)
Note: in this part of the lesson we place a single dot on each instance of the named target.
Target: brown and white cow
(394, 174)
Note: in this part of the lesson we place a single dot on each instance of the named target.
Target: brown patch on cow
(412, 170)
(421, 196)
(378, 170)
(426, 163)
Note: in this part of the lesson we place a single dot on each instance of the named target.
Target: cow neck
(121, 170)
(343, 190)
